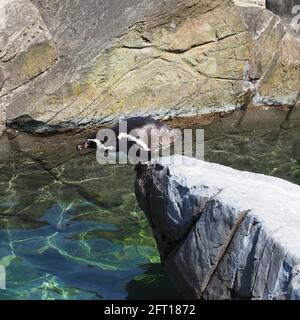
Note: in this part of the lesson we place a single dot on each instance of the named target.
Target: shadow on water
(152, 284)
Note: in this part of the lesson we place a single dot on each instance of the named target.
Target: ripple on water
(76, 232)
(57, 242)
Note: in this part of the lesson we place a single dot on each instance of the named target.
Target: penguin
(148, 135)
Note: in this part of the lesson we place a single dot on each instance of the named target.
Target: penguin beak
(82, 146)
(79, 147)
(86, 145)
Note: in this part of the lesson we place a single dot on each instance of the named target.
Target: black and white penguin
(147, 134)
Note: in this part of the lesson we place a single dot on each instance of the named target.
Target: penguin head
(87, 144)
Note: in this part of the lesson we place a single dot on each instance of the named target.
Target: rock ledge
(222, 233)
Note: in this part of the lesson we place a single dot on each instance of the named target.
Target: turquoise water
(75, 231)
(274, 152)
(75, 239)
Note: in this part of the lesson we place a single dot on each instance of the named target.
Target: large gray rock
(273, 73)
(84, 63)
(27, 49)
(222, 233)
(121, 57)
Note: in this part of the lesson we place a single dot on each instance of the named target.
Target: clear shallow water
(75, 239)
(274, 152)
(75, 231)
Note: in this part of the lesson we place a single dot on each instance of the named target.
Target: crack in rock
(226, 245)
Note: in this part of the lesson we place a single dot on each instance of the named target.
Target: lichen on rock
(128, 58)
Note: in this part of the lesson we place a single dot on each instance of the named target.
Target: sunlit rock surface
(273, 73)
(27, 49)
(222, 233)
(104, 59)
(80, 63)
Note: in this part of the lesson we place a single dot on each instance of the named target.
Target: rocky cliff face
(77, 63)
(274, 64)
(222, 233)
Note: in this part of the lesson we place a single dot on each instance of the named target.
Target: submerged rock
(222, 233)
